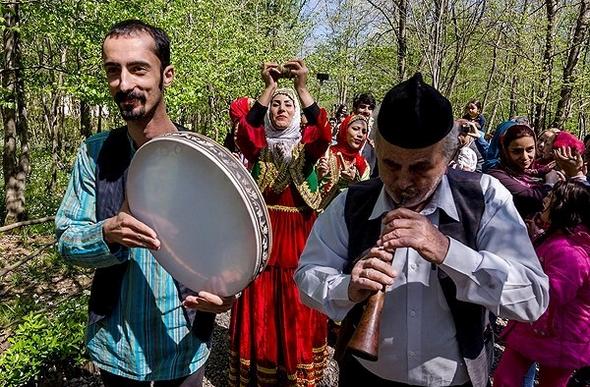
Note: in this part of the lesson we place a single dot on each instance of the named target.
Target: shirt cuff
(460, 260)
(115, 249)
(339, 297)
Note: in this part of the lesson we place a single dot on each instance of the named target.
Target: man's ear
(168, 75)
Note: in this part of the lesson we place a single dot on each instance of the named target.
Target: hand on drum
(406, 228)
(208, 302)
(371, 273)
(125, 230)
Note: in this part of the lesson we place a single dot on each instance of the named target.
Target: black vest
(111, 173)
(470, 319)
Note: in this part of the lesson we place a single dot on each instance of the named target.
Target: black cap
(414, 115)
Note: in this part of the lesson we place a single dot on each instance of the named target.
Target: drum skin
(206, 209)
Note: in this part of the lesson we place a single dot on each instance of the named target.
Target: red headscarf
(342, 146)
(239, 108)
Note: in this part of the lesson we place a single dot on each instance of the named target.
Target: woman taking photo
(560, 340)
(274, 338)
(343, 163)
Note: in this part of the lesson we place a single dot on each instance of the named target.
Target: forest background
(518, 57)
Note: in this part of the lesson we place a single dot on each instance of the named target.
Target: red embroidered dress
(339, 157)
(274, 338)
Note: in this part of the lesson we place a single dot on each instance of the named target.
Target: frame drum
(206, 209)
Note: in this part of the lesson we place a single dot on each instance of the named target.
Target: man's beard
(131, 112)
(412, 198)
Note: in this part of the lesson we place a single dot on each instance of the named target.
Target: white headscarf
(282, 141)
(467, 159)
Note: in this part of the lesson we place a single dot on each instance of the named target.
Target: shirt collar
(131, 143)
(441, 199)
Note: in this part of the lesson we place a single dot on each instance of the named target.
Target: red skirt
(274, 338)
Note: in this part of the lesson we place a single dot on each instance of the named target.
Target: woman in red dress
(343, 164)
(274, 338)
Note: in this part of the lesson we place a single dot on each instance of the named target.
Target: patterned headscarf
(342, 146)
(282, 141)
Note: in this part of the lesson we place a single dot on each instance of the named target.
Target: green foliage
(217, 48)
(359, 49)
(41, 341)
(41, 201)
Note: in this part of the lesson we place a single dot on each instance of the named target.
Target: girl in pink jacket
(560, 340)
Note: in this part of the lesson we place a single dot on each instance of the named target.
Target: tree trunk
(500, 91)
(542, 95)
(14, 115)
(211, 118)
(99, 120)
(438, 30)
(85, 119)
(493, 70)
(402, 44)
(569, 76)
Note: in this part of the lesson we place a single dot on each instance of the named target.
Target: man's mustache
(126, 96)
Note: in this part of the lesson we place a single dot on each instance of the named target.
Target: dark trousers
(353, 374)
(193, 380)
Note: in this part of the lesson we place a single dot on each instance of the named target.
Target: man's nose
(404, 181)
(125, 81)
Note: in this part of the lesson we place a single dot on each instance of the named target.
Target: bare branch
(27, 223)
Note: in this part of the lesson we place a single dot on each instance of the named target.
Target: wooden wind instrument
(364, 343)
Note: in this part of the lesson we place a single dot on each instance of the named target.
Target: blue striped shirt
(147, 336)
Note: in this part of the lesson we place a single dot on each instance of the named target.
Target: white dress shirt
(417, 335)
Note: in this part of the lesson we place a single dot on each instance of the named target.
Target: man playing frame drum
(140, 329)
(446, 248)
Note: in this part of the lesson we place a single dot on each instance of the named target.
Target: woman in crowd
(473, 113)
(545, 147)
(492, 155)
(343, 163)
(274, 338)
(468, 136)
(517, 154)
(560, 340)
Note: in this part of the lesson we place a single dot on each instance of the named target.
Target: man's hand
(371, 273)
(125, 230)
(208, 302)
(407, 228)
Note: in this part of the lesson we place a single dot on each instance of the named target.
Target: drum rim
(243, 182)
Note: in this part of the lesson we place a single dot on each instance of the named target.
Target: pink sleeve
(566, 266)
(317, 138)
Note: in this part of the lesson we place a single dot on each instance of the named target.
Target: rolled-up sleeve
(319, 276)
(504, 273)
(79, 234)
